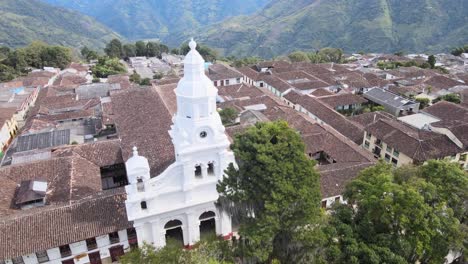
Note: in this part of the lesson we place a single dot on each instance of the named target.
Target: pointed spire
(192, 44)
(135, 151)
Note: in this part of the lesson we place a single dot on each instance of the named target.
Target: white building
(180, 202)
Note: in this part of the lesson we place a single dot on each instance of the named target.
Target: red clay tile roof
(321, 92)
(222, 72)
(342, 99)
(420, 145)
(335, 177)
(49, 227)
(143, 120)
(328, 115)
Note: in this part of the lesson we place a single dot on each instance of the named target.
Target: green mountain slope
(22, 21)
(146, 19)
(354, 25)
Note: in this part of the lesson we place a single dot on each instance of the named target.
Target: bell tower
(197, 124)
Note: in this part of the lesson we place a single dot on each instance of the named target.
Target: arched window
(198, 171)
(211, 168)
(207, 215)
(173, 224)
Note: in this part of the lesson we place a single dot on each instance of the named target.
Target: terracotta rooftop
(420, 145)
(143, 120)
(335, 177)
(321, 92)
(52, 226)
(328, 115)
(342, 99)
(222, 72)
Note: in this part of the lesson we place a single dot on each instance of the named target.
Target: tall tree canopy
(399, 216)
(276, 192)
(114, 49)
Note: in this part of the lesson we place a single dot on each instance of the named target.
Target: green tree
(114, 49)
(276, 194)
(298, 56)
(228, 115)
(4, 52)
(331, 55)
(108, 66)
(89, 54)
(153, 49)
(398, 216)
(56, 56)
(423, 102)
(7, 73)
(432, 61)
(450, 183)
(140, 48)
(212, 252)
(158, 76)
(454, 98)
(135, 77)
(145, 82)
(129, 50)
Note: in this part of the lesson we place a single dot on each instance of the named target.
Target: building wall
(402, 159)
(80, 252)
(8, 132)
(232, 81)
(388, 153)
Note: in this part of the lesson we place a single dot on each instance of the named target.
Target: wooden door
(116, 252)
(95, 258)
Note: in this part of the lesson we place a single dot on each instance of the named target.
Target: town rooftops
(95, 90)
(143, 120)
(342, 99)
(328, 115)
(43, 140)
(419, 145)
(222, 72)
(384, 97)
(31, 191)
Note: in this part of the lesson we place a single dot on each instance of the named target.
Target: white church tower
(179, 203)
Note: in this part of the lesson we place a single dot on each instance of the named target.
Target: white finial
(135, 151)
(192, 44)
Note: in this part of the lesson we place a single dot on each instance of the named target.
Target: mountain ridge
(159, 19)
(23, 21)
(354, 25)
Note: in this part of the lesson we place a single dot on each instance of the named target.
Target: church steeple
(197, 124)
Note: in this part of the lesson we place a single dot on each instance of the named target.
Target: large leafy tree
(114, 49)
(397, 217)
(276, 193)
(140, 48)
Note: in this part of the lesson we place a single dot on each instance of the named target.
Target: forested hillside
(23, 21)
(353, 25)
(149, 19)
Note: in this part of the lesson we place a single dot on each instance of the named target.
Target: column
(140, 235)
(224, 221)
(191, 230)
(159, 234)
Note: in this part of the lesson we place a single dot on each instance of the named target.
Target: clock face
(203, 134)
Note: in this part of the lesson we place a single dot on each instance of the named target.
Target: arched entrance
(174, 233)
(207, 226)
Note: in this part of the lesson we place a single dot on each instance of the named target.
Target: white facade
(184, 195)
